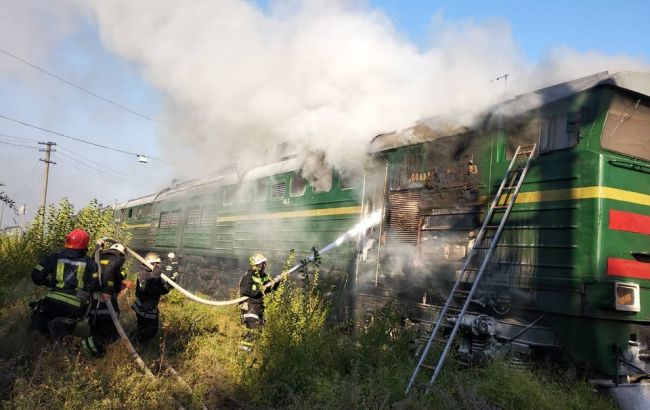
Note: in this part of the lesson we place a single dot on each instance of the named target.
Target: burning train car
(571, 274)
(573, 260)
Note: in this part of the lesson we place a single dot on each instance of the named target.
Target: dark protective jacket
(251, 285)
(111, 263)
(68, 273)
(171, 270)
(111, 266)
(149, 288)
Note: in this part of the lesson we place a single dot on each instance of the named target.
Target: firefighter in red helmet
(71, 276)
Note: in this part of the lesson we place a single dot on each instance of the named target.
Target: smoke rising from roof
(324, 75)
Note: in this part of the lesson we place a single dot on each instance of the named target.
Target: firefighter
(252, 310)
(149, 288)
(71, 276)
(102, 329)
(171, 270)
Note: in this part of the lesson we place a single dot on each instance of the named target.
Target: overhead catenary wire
(85, 90)
(78, 139)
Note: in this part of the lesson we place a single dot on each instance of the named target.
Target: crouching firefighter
(71, 276)
(252, 310)
(149, 288)
(102, 328)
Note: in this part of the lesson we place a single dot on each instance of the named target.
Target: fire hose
(134, 354)
(111, 310)
(372, 220)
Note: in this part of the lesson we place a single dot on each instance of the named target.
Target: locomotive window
(298, 185)
(349, 181)
(321, 181)
(245, 193)
(146, 210)
(228, 194)
(194, 216)
(139, 213)
(559, 132)
(207, 215)
(627, 128)
(169, 219)
(130, 213)
(277, 190)
(260, 190)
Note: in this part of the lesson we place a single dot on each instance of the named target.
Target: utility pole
(47, 161)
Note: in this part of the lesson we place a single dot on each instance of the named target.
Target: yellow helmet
(256, 259)
(152, 257)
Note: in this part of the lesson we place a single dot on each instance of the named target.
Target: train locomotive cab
(570, 276)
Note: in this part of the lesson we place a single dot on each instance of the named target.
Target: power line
(102, 169)
(18, 138)
(77, 139)
(29, 181)
(18, 145)
(67, 160)
(79, 87)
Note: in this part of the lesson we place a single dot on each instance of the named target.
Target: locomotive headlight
(627, 297)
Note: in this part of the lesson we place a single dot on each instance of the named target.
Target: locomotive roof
(135, 202)
(435, 128)
(198, 186)
(275, 168)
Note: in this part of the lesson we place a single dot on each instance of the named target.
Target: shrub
(20, 252)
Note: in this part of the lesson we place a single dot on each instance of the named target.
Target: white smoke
(325, 75)
(32, 28)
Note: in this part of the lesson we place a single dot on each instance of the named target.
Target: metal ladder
(503, 202)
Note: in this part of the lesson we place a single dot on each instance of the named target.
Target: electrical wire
(29, 181)
(78, 139)
(115, 179)
(18, 138)
(90, 164)
(89, 170)
(94, 94)
(85, 171)
(99, 167)
(18, 145)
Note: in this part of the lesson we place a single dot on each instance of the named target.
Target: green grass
(299, 364)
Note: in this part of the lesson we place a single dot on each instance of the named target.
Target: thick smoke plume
(324, 75)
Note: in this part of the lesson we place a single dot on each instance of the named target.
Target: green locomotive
(575, 251)
(215, 224)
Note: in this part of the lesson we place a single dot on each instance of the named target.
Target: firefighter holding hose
(102, 328)
(252, 310)
(149, 288)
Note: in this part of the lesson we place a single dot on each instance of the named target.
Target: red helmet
(77, 239)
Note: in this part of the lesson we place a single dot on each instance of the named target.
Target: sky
(222, 81)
